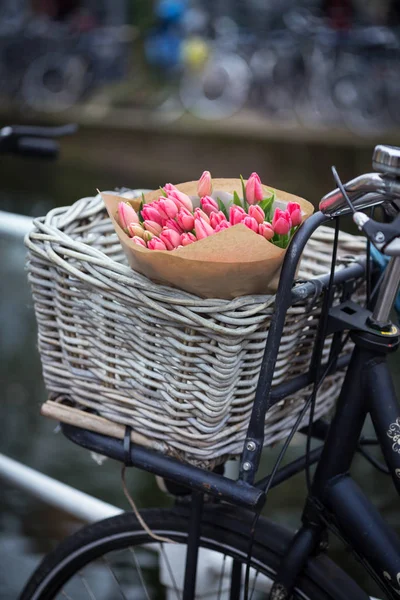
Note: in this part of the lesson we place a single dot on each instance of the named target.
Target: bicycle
(216, 519)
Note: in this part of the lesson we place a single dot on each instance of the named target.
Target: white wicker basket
(180, 370)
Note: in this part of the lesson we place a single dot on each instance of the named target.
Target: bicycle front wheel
(116, 558)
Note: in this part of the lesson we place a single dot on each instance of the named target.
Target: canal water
(28, 528)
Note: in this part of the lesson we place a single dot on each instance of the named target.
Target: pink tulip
(168, 187)
(156, 244)
(251, 223)
(188, 238)
(266, 230)
(209, 205)
(171, 238)
(185, 219)
(127, 215)
(294, 211)
(138, 240)
(167, 208)
(180, 199)
(204, 186)
(135, 229)
(236, 214)
(172, 224)
(257, 213)
(153, 227)
(221, 226)
(150, 213)
(216, 218)
(200, 214)
(202, 228)
(281, 222)
(254, 191)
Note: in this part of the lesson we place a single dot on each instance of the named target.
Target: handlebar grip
(37, 147)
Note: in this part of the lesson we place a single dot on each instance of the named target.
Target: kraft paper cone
(234, 262)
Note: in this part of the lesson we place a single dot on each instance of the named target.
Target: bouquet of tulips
(171, 222)
(216, 238)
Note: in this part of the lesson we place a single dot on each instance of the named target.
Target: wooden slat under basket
(118, 349)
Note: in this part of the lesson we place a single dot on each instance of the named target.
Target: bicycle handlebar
(34, 141)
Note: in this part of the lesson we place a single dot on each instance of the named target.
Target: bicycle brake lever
(384, 236)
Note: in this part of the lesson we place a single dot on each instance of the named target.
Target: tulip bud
(171, 238)
(204, 186)
(168, 187)
(156, 244)
(188, 238)
(173, 224)
(150, 213)
(167, 208)
(138, 240)
(265, 229)
(281, 222)
(126, 215)
(209, 205)
(180, 199)
(216, 218)
(236, 214)
(185, 219)
(135, 229)
(254, 191)
(153, 227)
(257, 213)
(200, 214)
(251, 223)
(202, 228)
(221, 226)
(294, 210)
(147, 236)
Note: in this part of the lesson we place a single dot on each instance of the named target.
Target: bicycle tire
(224, 529)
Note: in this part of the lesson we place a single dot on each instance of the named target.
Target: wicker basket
(180, 370)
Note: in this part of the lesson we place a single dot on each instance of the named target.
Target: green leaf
(222, 207)
(140, 209)
(267, 204)
(244, 192)
(164, 193)
(236, 199)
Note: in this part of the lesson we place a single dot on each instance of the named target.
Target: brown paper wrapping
(234, 262)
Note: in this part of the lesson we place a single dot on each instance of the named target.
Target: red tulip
(221, 226)
(153, 227)
(126, 215)
(172, 224)
(188, 238)
(180, 199)
(156, 244)
(265, 229)
(209, 205)
(185, 219)
(281, 222)
(257, 213)
(236, 214)
(167, 208)
(294, 210)
(254, 191)
(200, 214)
(150, 213)
(216, 218)
(202, 228)
(251, 223)
(171, 238)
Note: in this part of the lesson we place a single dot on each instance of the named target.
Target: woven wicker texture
(179, 369)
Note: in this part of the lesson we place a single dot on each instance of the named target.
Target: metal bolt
(246, 466)
(380, 236)
(251, 446)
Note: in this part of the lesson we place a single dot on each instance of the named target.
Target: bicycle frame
(335, 499)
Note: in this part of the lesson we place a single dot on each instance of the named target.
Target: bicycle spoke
(87, 587)
(115, 577)
(64, 593)
(221, 579)
(140, 573)
(170, 571)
